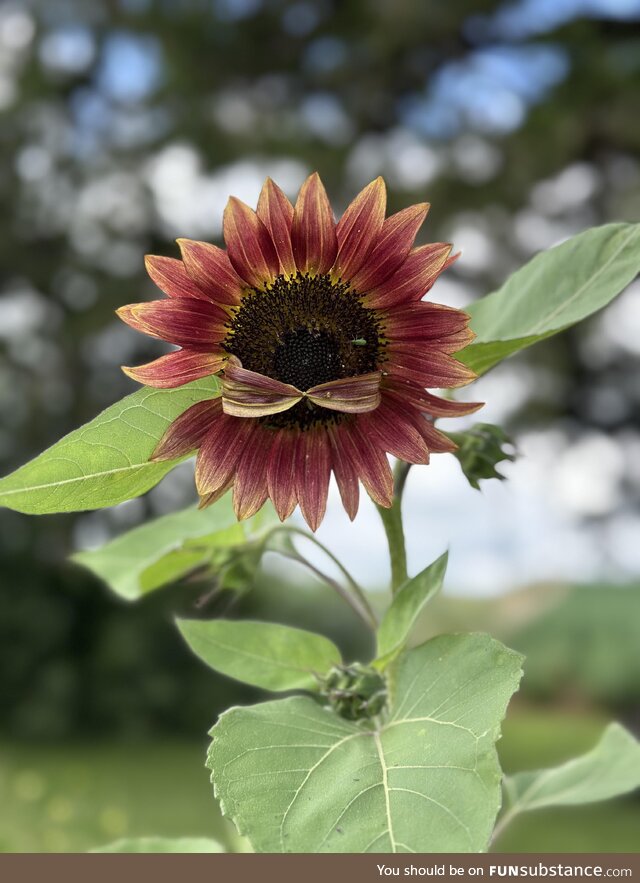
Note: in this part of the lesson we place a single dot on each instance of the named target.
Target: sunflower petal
(413, 394)
(220, 451)
(281, 471)
(436, 441)
(211, 270)
(351, 395)
(187, 432)
(413, 278)
(313, 232)
(313, 470)
(428, 325)
(249, 244)
(250, 394)
(171, 277)
(369, 461)
(345, 473)
(210, 499)
(184, 321)
(276, 213)
(394, 433)
(250, 486)
(177, 368)
(430, 368)
(359, 227)
(391, 247)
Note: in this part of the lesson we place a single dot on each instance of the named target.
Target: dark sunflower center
(305, 331)
(306, 358)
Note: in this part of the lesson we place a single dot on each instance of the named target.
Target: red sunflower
(323, 344)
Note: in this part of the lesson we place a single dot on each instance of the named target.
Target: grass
(75, 797)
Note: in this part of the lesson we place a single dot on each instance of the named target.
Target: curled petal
(413, 279)
(220, 452)
(250, 485)
(369, 461)
(276, 213)
(188, 431)
(413, 394)
(427, 368)
(178, 368)
(391, 248)
(313, 232)
(281, 472)
(313, 470)
(395, 433)
(250, 394)
(211, 270)
(351, 395)
(181, 320)
(346, 474)
(171, 277)
(359, 228)
(249, 244)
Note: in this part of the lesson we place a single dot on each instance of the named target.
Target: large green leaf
(163, 844)
(268, 655)
(556, 289)
(608, 770)
(295, 777)
(163, 550)
(406, 607)
(106, 461)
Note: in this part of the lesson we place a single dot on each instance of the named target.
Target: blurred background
(127, 123)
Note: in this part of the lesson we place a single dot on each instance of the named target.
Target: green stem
(392, 523)
(359, 603)
(364, 613)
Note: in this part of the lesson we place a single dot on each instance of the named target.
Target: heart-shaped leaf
(295, 777)
(264, 654)
(556, 289)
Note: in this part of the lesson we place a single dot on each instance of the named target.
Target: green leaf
(163, 844)
(610, 769)
(274, 657)
(406, 607)
(295, 777)
(556, 289)
(479, 450)
(158, 552)
(106, 461)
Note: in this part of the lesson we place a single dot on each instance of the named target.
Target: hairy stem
(355, 586)
(392, 523)
(364, 612)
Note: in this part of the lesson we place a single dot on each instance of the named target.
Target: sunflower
(323, 345)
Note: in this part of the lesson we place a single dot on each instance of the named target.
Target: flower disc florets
(305, 331)
(323, 345)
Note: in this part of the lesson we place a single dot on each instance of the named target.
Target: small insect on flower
(323, 344)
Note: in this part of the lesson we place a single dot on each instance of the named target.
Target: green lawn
(75, 797)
